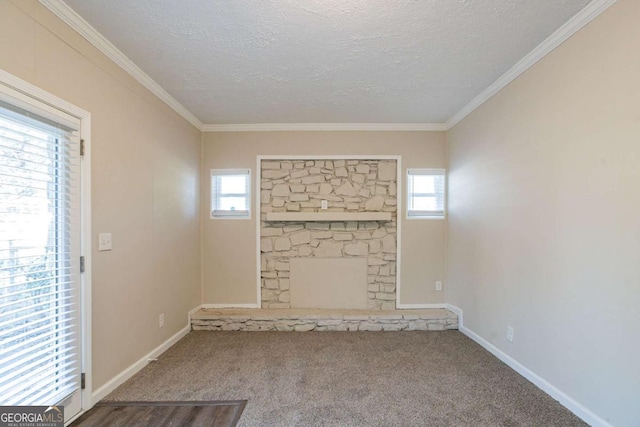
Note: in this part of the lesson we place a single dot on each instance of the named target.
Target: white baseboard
(191, 313)
(123, 376)
(419, 306)
(230, 306)
(565, 400)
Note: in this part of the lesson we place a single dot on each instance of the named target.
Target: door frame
(35, 93)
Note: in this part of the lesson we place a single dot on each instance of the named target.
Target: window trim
(415, 214)
(223, 214)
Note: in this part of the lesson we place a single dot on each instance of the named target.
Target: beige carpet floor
(348, 379)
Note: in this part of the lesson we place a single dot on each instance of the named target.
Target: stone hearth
(232, 319)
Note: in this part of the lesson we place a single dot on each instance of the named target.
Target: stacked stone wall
(346, 186)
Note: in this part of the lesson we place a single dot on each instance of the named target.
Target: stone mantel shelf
(328, 216)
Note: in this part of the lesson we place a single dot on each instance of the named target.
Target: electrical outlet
(104, 241)
(509, 334)
(324, 204)
(161, 320)
(438, 285)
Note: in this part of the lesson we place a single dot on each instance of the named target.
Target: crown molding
(582, 18)
(75, 21)
(272, 127)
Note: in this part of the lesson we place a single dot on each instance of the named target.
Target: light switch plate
(104, 241)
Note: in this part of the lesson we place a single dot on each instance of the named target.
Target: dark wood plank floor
(174, 414)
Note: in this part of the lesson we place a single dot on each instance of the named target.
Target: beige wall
(544, 217)
(229, 246)
(145, 186)
(528, 246)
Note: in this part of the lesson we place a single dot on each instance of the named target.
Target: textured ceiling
(325, 61)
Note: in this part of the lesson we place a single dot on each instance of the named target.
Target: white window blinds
(230, 193)
(39, 257)
(425, 193)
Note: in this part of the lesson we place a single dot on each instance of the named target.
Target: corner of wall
(201, 206)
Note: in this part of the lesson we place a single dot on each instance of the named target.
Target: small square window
(230, 193)
(425, 193)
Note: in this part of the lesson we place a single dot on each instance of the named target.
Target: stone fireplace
(352, 254)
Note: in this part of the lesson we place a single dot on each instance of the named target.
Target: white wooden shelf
(328, 216)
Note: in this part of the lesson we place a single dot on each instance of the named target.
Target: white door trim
(28, 90)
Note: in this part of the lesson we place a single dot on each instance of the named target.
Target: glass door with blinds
(40, 227)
